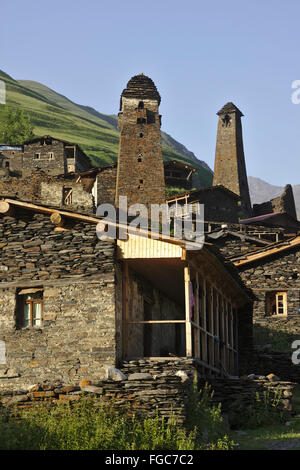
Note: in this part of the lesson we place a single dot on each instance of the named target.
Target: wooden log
(57, 219)
(5, 208)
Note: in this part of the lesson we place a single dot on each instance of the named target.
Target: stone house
(52, 155)
(270, 267)
(72, 304)
(178, 174)
(11, 156)
(220, 204)
(66, 191)
(273, 274)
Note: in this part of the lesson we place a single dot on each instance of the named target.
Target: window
(276, 303)
(37, 156)
(67, 196)
(30, 307)
(51, 156)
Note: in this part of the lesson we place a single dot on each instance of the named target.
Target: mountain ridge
(97, 134)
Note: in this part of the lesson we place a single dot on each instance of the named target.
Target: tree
(15, 126)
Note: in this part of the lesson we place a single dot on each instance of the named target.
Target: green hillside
(54, 114)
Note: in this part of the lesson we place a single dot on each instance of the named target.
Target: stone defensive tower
(140, 172)
(230, 167)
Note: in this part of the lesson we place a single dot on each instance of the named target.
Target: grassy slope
(96, 133)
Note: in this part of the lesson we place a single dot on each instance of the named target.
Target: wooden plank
(146, 322)
(263, 254)
(197, 319)
(188, 326)
(125, 308)
(204, 336)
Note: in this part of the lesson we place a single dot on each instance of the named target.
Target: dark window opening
(37, 156)
(141, 105)
(141, 135)
(150, 117)
(226, 120)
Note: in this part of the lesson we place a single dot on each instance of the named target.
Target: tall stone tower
(230, 167)
(140, 172)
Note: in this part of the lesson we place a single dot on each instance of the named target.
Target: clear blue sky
(200, 54)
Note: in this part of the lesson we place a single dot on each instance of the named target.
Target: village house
(72, 304)
(51, 155)
(273, 274)
(178, 174)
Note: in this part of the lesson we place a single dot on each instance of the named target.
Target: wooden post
(5, 208)
(204, 335)
(188, 325)
(197, 318)
(211, 327)
(125, 299)
(217, 329)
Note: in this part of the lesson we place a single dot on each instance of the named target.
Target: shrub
(263, 410)
(206, 419)
(90, 425)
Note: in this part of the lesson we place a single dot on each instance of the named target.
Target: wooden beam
(262, 254)
(197, 318)
(125, 308)
(86, 218)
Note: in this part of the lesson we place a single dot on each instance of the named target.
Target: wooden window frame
(31, 302)
(276, 295)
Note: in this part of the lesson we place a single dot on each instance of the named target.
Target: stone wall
(15, 158)
(40, 188)
(280, 273)
(278, 362)
(52, 193)
(76, 338)
(106, 185)
(283, 203)
(150, 387)
(140, 173)
(55, 157)
(51, 166)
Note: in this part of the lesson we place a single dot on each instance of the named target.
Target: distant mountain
(261, 191)
(96, 133)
